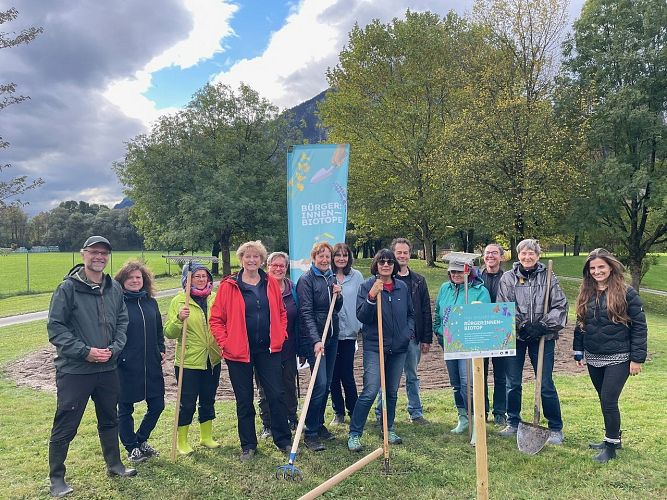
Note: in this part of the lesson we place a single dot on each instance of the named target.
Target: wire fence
(22, 273)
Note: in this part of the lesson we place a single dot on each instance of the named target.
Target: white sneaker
(556, 438)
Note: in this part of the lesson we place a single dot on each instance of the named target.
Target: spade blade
(531, 438)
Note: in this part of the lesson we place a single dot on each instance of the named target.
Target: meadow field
(432, 463)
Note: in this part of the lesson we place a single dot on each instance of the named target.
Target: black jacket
(492, 282)
(601, 336)
(140, 363)
(84, 315)
(421, 302)
(398, 318)
(314, 294)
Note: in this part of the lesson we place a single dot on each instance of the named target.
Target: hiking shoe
(354, 443)
(247, 455)
(556, 438)
(148, 450)
(266, 433)
(500, 420)
(313, 443)
(286, 448)
(338, 420)
(419, 421)
(508, 431)
(324, 433)
(394, 438)
(136, 457)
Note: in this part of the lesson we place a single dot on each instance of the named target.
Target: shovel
(531, 438)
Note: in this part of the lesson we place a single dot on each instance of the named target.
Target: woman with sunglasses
(611, 335)
(343, 375)
(451, 293)
(398, 327)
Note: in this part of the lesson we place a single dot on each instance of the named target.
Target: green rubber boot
(473, 440)
(462, 426)
(206, 435)
(182, 443)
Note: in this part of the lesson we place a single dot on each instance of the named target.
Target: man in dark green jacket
(87, 324)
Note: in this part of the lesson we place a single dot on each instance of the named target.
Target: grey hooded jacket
(528, 295)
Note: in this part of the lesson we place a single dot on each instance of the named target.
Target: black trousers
(343, 375)
(609, 382)
(202, 385)
(289, 386)
(128, 437)
(268, 367)
(73, 392)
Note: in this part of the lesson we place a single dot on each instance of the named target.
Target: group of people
(109, 338)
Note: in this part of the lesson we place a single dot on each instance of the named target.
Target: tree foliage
(616, 63)
(212, 174)
(392, 95)
(12, 187)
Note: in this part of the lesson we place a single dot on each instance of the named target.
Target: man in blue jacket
(87, 324)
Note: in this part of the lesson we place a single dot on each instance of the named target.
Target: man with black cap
(87, 324)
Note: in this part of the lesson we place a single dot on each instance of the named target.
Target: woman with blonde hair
(140, 362)
(611, 336)
(249, 322)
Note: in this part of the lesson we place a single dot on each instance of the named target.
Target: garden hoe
(289, 471)
(531, 438)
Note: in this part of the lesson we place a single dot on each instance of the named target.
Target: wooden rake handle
(383, 383)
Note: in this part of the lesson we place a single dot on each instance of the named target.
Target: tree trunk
(564, 250)
(215, 252)
(576, 246)
(225, 243)
(435, 250)
(513, 243)
(635, 273)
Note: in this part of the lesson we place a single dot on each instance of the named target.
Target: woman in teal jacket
(201, 366)
(451, 293)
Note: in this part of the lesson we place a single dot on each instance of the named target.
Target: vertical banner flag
(316, 199)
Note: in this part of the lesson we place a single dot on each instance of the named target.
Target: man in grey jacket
(87, 325)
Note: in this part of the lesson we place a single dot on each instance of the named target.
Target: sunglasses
(386, 262)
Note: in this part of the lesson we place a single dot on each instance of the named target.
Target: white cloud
(292, 68)
(211, 24)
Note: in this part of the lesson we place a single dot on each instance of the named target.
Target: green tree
(14, 186)
(509, 158)
(212, 174)
(616, 60)
(391, 98)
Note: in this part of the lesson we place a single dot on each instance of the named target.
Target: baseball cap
(456, 265)
(96, 239)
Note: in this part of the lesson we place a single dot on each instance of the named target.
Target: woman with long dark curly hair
(611, 336)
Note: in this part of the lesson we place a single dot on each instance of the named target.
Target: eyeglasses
(494, 252)
(386, 262)
(278, 266)
(97, 253)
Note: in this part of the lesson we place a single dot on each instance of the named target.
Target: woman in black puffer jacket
(140, 362)
(611, 335)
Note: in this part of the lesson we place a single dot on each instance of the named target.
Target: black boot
(607, 453)
(57, 456)
(600, 445)
(111, 452)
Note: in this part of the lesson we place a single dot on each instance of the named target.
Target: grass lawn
(432, 463)
(46, 270)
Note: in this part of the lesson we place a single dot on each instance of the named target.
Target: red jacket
(227, 319)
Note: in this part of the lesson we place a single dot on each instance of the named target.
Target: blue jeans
(550, 402)
(318, 400)
(458, 378)
(393, 367)
(412, 359)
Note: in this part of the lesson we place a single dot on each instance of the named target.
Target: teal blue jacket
(451, 294)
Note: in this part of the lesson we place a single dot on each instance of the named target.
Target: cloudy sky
(102, 70)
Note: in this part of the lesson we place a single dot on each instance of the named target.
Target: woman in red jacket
(249, 322)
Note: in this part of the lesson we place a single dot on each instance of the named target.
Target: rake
(290, 471)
